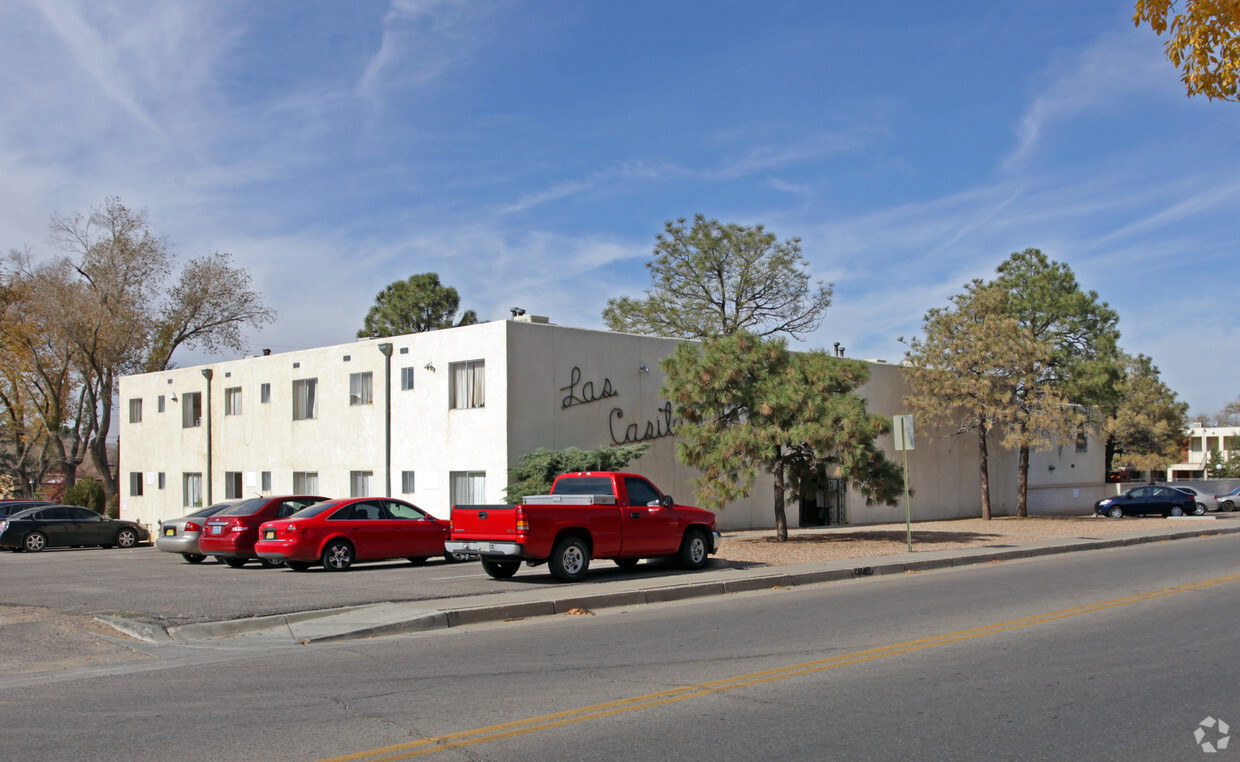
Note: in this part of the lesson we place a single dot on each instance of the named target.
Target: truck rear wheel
(693, 550)
(570, 560)
(500, 569)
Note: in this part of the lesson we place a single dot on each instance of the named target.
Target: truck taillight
(523, 521)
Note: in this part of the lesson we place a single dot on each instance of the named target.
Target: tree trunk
(781, 519)
(1022, 484)
(98, 445)
(983, 462)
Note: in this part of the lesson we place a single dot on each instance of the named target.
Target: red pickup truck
(592, 514)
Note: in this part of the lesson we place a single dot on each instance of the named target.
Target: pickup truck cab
(590, 514)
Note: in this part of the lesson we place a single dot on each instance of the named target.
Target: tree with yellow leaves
(1203, 42)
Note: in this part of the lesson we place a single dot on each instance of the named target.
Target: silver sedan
(181, 535)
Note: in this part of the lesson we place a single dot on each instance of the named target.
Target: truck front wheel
(500, 569)
(693, 550)
(570, 560)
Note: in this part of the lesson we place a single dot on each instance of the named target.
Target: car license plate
(170, 532)
(217, 529)
(270, 534)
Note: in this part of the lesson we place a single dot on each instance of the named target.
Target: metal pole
(386, 349)
(207, 373)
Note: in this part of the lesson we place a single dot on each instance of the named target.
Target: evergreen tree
(539, 468)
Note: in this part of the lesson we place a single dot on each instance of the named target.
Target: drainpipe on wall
(386, 349)
(206, 373)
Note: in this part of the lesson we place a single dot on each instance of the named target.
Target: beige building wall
(546, 386)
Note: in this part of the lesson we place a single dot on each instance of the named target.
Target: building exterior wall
(1201, 440)
(545, 386)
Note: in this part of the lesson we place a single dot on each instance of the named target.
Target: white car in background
(1205, 501)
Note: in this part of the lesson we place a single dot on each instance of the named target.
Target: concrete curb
(376, 620)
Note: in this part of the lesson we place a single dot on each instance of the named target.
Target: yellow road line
(559, 719)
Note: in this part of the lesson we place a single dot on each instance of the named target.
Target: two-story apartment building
(438, 418)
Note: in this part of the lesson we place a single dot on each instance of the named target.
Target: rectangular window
(266, 481)
(406, 379)
(468, 381)
(468, 488)
(305, 406)
(159, 403)
(1194, 444)
(191, 410)
(306, 482)
(192, 484)
(264, 394)
(135, 410)
(406, 482)
(161, 480)
(1082, 441)
(135, 482)
(232, 485)
(360, 483)
(360, 389)
(232, 400)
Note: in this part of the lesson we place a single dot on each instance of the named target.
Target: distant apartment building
(439, 417)
(1201, 441)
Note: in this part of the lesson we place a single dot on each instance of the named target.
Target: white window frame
(407, 482)
(264, 394)
(232, 400)
(191, 410)
(135, 483)
(135, 410)
(361, 390)
(467, 487)
(305, 399)
(406, 379)
(361, 483)
(467, 385)
(305, 482)
(191, 488)
(265, 481)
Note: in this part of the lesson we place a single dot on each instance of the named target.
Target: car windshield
(315, 510)
(212, 509)
(245, 508)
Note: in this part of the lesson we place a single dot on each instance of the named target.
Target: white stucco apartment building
(438, 418)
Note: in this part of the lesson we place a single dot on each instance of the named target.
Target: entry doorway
(822, 502)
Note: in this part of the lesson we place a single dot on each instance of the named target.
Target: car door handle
(635, 515)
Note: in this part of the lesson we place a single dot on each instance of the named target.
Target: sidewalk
(392, 618)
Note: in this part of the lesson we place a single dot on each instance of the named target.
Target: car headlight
(1105, 502)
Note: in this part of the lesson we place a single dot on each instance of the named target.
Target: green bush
(113, 509)
(86, 492)
(540, 467)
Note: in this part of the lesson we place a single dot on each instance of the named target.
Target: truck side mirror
(666, 501)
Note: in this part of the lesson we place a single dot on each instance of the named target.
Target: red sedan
(231, 533)
(339, 532)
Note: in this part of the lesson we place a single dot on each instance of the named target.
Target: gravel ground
(807, 545)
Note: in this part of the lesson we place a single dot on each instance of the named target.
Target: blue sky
(529, 152)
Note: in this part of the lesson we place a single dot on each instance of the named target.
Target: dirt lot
(807, 545)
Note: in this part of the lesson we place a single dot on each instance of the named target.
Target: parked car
(339, 533)
(1148, 498)
(9, 507)
(1203, 501)
(1227, 501)
(230, 534)
(67, 526)
(181, 535)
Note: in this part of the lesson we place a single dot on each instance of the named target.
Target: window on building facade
(306, 482)
(360, 388)
(406, 482)
(266, 481)
(1195, 444)
(406, 379)
(264, 394)
(135, 410)
(135, 483)
(191, 410)
(192, 487)
(161, 480)
(1082, 441)
(232, 485)
(305, 406)
(159, 404)
(468, 389)
(360, 483)
(232, 400)
(468, 488)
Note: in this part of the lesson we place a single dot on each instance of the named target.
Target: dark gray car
(67, 526)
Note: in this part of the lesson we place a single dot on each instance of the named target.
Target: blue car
(1146, 499)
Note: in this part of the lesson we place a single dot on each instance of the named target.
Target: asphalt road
(148, 585)
(1111, 654)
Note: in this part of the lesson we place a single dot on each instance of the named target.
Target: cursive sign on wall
(661, 426)
(584, 394)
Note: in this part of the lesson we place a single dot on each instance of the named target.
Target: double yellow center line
(684, 693)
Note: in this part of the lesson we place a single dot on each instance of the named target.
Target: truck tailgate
(484, 522)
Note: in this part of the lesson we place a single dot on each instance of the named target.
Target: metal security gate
(822, 502)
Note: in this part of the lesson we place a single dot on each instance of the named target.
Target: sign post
(902, 428)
